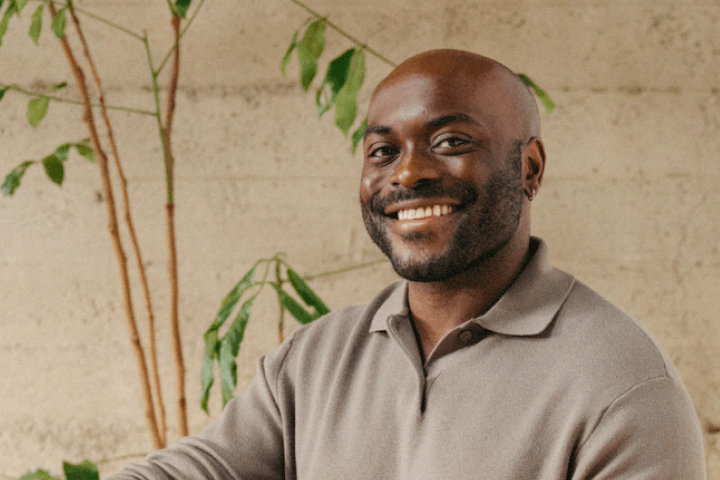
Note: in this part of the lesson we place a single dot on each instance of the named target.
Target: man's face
(441, 187)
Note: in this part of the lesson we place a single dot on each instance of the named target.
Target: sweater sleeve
(650, 432)
(246, 442)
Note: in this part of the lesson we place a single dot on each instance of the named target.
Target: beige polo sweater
(553, 382)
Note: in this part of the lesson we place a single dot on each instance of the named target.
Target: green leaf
(21, 4)
(212, 349)
(11, 9)
(83, 471)
(358, 135)
(54, 168)
(292, 306)
(62, 152)
(39, 474)
(233, 297)
(335, 78)
(59, 86)
(346, 102)
(212, 346)
(12, 180)
(212, 342)
(2, 92)
(182, 7)
(36, 23)
(58, 23)
(288, 54)
(36, 110)
(309, 50)
(306, 293)
(85, 150)
(539, 92)
(229, 348)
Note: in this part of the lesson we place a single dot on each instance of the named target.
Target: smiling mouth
(424, 212)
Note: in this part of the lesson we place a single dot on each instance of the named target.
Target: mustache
(462, 193)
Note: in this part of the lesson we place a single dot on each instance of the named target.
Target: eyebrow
(434, 123)
(379, 129)
(452, 118)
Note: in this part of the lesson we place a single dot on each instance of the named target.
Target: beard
(488, 217)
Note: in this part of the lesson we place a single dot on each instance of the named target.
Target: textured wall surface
(629, 203)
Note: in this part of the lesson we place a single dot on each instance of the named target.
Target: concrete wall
(629, 203)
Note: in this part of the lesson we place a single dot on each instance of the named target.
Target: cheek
(468, 168)
(369, 185)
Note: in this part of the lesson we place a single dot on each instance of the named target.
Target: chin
(427, 269)
(415, 265)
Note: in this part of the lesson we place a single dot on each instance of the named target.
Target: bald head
(458, 69)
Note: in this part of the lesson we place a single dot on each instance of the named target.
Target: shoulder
(611, 332)
(608, 348)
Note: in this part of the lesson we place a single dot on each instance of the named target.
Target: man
(485, 362)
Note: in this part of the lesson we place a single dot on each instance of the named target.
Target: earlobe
(533, 166)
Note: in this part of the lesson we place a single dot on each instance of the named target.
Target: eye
(382, 151)
(450, 142)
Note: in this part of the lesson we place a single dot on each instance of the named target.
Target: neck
(438, 307)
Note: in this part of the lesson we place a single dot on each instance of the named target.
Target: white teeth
(417, 213)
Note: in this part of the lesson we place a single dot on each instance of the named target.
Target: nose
(415, 167)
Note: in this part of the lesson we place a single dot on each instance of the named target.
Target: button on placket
(466, 336)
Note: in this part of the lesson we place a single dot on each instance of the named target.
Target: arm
(247, 441)
(650, 432)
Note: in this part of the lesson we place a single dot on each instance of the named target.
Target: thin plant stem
(342, 32)
(115, 235)
(345, 269)
(281, 323)
(152, 343)
(55, 98)
(158, 118)
(165, 136)
(109, 23)
(170, 107)
(98, 18)
(175, 324)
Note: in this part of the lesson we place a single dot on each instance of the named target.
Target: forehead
(425, 97)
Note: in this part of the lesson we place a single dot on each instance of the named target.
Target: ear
(533, 164)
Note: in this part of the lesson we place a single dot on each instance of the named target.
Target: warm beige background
(629, 203)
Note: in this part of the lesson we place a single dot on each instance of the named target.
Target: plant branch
(182, 34)
(342, 32)
(170, 110)
(55, 98)
(281, 316)
(164, 132)
(114, 233)
(152, 343)
(174, 322)
(158, 117)
(172, 250)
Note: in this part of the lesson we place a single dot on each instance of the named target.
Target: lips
(426, 202)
